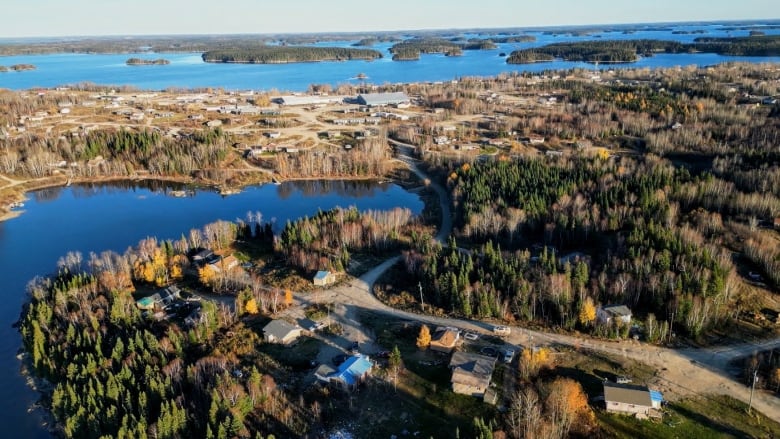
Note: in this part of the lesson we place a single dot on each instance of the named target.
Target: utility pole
(752, 388)
(422, 304)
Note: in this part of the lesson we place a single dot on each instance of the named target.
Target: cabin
(347, 376)
(444, 339)
(608, 314)
(324, 278)
(281, 332)
(631, 399)
(471, 373)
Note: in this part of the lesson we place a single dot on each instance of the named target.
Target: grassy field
(710, 417)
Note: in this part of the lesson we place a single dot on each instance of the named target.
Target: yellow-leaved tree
(567, 406)
(206, 275)
(424, 338)
(251, 306)
(532, 360)
(587, 312)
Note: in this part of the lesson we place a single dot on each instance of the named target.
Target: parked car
(623, 380)
(509, 354)
(355, 348)
(317, 326)
(501, 330)
(472, 336)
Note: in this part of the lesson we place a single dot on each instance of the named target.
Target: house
(630, 399)
(349, 374)
(204, 256)
(224, 264)
(607, 314)
(282, 332)
(169, 295)
(471, 373)
(324, 278)
(444, 339)
(382, 99)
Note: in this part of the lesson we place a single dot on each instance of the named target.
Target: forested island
(288, 54)
(410, 50)
(625, 51)
(17, 68)
(147, 62)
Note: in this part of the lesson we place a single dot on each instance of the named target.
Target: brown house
(471, 373)
(444, 340)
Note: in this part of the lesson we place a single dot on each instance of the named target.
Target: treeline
(288, 54)
(118, 374)
(411, 49)
(326, 240)
(600, 51)
(119, 152)
(369, 158)
(630, 50)
(576, 231)
(754, 45)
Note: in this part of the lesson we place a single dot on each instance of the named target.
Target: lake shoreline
(222, 189)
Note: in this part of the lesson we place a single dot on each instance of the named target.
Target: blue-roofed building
(349, 374)
(656, 398)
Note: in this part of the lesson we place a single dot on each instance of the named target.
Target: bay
(95, 218)
(187, 70)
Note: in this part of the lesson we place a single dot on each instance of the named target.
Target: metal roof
(279, 329)
(321, 274)
(382, 98)
(351, 370)
(656, 396)
(617, 310)
(627, 394)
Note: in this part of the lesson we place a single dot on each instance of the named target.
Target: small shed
(324, 278)
(444, 340)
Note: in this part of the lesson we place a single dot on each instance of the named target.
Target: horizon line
(431, 29)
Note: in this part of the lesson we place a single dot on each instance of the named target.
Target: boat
(16, 204)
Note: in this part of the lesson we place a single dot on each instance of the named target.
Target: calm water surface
(114, 217)
(189, 71)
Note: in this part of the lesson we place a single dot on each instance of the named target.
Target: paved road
(680, 372)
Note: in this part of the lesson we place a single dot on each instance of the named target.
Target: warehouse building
(382, 99)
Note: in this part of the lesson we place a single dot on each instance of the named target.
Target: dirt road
(681, 372)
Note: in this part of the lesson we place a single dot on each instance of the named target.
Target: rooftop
(278, 329)
(617, 310)
(627, 393)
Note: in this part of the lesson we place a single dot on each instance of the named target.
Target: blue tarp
(656, 396)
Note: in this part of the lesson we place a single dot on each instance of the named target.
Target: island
(147, 62)
(22, 67)
(626, 51)
(288, 54)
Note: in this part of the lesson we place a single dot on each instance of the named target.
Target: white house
(606, 314)
(630, 399)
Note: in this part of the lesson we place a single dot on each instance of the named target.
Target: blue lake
(189, 71)
(116, 216)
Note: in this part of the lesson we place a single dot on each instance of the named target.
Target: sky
(31, 18)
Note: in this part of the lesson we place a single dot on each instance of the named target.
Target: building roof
(279, 329)
(656, 396)
(351, 370)
(322, 275)
(445, 337)
(371, 99)
(146, 302)
(617, 310)
(465, 365)
(627, 394)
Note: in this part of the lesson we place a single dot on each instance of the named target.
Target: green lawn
(700, 418)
